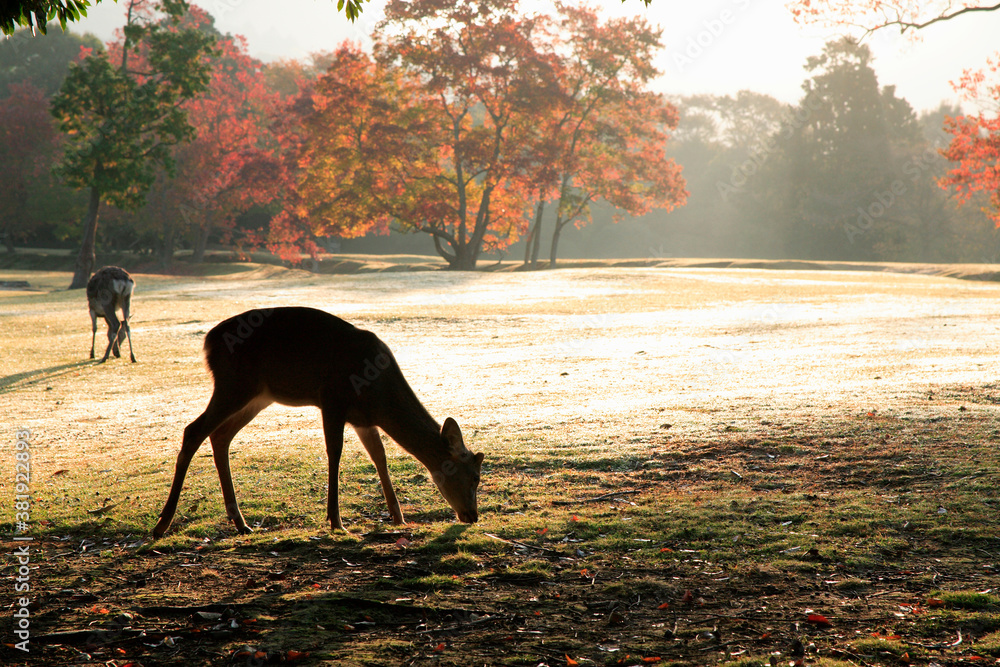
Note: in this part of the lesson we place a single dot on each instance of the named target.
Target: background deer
(108, 290)
(303, 356)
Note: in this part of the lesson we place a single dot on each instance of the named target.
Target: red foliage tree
(28, 140)
(230, 164)
(605, 139)
(975, 144)
(430, 135)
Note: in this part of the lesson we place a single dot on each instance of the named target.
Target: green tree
(844, 159)
(121, 120)
(42, 60)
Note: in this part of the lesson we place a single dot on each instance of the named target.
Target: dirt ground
(708, 371)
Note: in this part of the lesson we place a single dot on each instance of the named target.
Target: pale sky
(712, 46)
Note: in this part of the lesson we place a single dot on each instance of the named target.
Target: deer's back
(108, 288)
(298, 356)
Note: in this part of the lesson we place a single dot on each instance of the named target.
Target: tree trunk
(8, 239)
(465, 258)
(87, 258)
(199, 249)
(536, 244)
(555, 244)
(167, 251)
(534, 234)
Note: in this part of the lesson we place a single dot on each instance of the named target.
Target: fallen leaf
(60, 472)
(570, 662)
(935, 602)
(439, 647)
(402, 543)
(688, 597)
(664, 605)
(296, 655)
(819, 620)
(652, 659)
(543, 531)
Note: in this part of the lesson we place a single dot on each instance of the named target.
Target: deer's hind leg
(372, 442)
(126, 305)
(113, 326)
(93, 331)
(221, 437)
(222, 406)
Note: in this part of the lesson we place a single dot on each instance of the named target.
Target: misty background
(771, 169)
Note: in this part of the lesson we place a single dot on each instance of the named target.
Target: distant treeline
(277, 155)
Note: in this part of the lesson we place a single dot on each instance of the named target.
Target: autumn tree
(975, 145)
(428, 135)
(121, 123)
(27, 143)
(229, 165)
(605, 138)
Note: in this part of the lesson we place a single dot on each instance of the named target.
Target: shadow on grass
(18, 380)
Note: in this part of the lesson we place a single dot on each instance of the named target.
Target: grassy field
(692, 466)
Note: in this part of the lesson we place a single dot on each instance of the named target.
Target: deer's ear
(453, 435)
(479, 459)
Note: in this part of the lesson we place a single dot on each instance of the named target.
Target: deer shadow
(18, 380)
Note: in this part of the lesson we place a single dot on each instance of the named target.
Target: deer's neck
(407, 421)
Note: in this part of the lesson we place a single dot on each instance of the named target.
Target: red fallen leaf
(101, 610)
(120, 651)
(819, 620)
(60, 472)
(934, 602)
(652, 659)
(260, 655)
(573, 518)
(905, 658)
(538, 613)
(402, 543)
(688, 597)
(296, 655)
(885, 637)
(543, 531)
(439, 647)
(585, 573)
(316, 586)
(664, 605)
(570, 662)
(666, 550)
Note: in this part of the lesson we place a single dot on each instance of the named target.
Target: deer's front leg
(333, 430)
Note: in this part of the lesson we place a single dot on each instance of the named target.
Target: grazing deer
(108, 290)
(303, 356)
